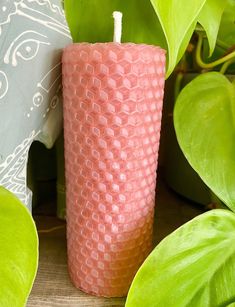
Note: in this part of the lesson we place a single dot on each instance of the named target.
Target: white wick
(117, 27)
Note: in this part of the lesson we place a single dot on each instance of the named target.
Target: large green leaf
(91, 21)
(210, 18)
(194, 266)
(18, 251)
(178, 19)
(204, 119)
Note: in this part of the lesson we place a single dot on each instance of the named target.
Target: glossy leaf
(204, 119)
(210, 18)
(18, 251)
(194, 266)
(178, 19)
(91, 21)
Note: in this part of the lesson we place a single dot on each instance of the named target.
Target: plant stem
(222, 45)
(225, 66)
(211, 65)
(178, 82)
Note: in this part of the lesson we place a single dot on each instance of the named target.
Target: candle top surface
(116, 46)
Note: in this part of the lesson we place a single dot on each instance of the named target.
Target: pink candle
(112, 117)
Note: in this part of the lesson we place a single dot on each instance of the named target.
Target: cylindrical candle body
(112, 117)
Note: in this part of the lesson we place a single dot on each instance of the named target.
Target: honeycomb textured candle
(112, 117)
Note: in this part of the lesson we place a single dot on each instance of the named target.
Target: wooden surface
(53, 287)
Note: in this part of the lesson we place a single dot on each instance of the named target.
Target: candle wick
(117, 27)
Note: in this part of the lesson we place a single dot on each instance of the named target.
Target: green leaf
(194, 266)
(178, 18)
(204, 119)
(18, 251)
(91, 21)
(226, 34)
(227, 28)
(210, 18)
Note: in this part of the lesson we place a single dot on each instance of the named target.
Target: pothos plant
(18, 251)
(195, 265)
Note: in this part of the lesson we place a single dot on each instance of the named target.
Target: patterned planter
(32, 34)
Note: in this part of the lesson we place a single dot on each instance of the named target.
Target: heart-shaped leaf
(194, 266)
(91, 21)
(204, 119)
(178, 19)
(210, 17)
(18, 251)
